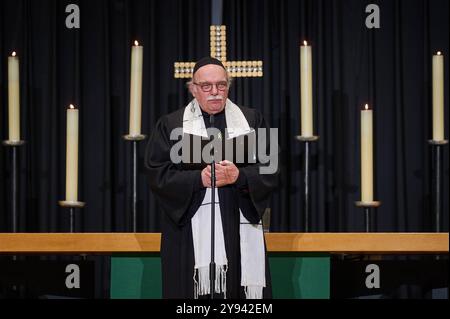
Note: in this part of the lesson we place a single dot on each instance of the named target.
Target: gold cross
(218, 43)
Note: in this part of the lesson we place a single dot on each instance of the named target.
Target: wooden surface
(349, 243)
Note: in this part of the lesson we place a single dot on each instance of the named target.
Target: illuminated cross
(218, 41)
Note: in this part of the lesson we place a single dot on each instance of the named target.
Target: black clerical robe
(179, 192)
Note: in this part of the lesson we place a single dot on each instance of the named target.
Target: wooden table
(338, 243)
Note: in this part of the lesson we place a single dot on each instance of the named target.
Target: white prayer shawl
(251, 235)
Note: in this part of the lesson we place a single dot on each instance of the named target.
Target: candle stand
(369, 214)
(134, 139)
(14, 182)
(437, 182)
(71, 205)
(306, 180)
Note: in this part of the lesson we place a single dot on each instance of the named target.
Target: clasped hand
(226, 173)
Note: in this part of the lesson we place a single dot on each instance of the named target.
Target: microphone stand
(212, 265)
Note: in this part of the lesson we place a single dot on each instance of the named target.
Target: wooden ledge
(347, 243)
(355, 243)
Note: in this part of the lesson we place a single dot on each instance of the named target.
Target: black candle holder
(437, 154)
(14, 145)
(369, 213)
(71, 205)
(134, 139)
(306, 180)
(14, 182)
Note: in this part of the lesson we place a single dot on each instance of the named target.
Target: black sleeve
(241, 182)
(255, 188)
(176, 190)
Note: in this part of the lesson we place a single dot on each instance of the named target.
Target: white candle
(306, 90)
(366, 154)
(438, 97)
(136, 89)
(13, 98)
(72, 155)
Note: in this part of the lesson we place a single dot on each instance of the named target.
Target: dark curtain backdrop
(389, 68)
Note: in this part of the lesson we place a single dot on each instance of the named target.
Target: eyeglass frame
(213, 84)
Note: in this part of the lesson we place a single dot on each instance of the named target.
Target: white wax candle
(13, 98)
(438, 97)
(136, 89)
(366, 154)
(306, 90)
(72, 155)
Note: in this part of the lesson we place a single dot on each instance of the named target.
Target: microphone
(212, 264)
(213, 162)
(213, 170)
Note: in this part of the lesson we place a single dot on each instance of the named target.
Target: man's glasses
(206, 86)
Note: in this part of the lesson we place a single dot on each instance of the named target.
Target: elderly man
(183, 192)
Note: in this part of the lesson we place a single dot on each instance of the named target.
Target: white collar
(193, 122)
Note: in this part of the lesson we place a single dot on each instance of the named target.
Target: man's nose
(214, 90)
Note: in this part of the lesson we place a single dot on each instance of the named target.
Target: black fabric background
(390, 68)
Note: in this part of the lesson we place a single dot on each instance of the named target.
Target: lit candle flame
(136, 43)
(305, 43)
(366, 106)
(14, 53)
(71, 107)
(439, 53)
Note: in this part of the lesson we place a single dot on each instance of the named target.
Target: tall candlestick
(13, 98)
(366, 155)
(136, 89)
(438, 97)
(72, 155)
(306, 90)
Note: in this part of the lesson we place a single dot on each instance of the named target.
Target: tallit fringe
(202, 285)
(253, 292)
